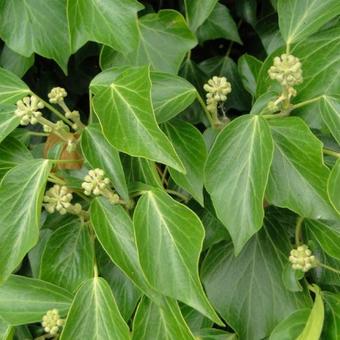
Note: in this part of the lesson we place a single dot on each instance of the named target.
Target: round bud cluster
(217, 88)
(75, 117)
(28, 110)
(286, 70)
(57, 95)
(57, 198)
(95, 182)
(302, 258)
(52, 322)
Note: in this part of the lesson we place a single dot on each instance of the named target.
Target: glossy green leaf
(246, 10)
(68, 259)
(332, 316)
(8, 121)
(127, 119)
(249, 68)
(125, 292)
(298, 177)
(236, 176)
(101, 21)
(6, 330)
(330, 112)
(169, 239)
(328, 236)
(163, 322)
(170, 95)
(36, 26)
(197, 12)
(164, 39)
(333, 186)
(15, 62)
(21, 191)
(189, 145)
(300, 18)
(291, 327)
(12, 88)
(291, 278)
(248, 290)
(313, 327)
(24, 300)
(214, 334)
(194, 319)
(219, 24)
(99, 153)
(114, 230)
(100, 319)
(12, 152)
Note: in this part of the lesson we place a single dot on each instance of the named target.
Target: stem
(298, 230)
(43, 134)
(44, 121)
(56, 179)
(306, 102)
(331, 153)
(277, 115)
(207, 113)
(329, 268)
(66, 160)
(164, 181)
(178, 194)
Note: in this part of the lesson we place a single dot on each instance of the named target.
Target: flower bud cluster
(28, 110)
(95, 182)
(57, 95)
(302, 258)
(52, 322)
(217, 89)
(58, 198)
(286, 70)
(75, 117)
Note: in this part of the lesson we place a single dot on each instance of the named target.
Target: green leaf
(163, 322)
(328, 236)
(100, 319)
(300, 18)
(298, 177)
(163, 42)
(291, 278)
(236, 175)
(189, 145)
(330, 112)
(68, 258)
(21, 191)
(36, 26)
(246, 10)
(194, 319)
(125, 292)
(249, 68)
(333, 186)
(99, 153)
(114, 230)
(214, 334)
(8, 121)
(125, 112)
(12, 88)
(313, 327)
(248, 290)
(291, 327)
(169, 238)
(12, 152)
(24, 300)
(15, 62)
(6, 330)
(332, 317)
(219, 24)
(109, 22)
(170, 95)
(197, 12)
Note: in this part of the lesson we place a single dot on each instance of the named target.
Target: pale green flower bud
(95, 182)
(47, 128)
(217, 88)
(57, 95)
(302, 258)
(28, 109)
(57, 198)
(286, 70)
(51, 322)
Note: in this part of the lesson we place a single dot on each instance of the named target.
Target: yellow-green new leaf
(125, 112)
(164, 322)
(169, 238)
(313, 328)
(21, 192)
(236, 176)
(24, 300)
(300, 18)
(94, 314)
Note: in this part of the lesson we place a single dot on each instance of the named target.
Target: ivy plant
(170, 170)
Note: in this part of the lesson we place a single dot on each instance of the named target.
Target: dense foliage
(170, 169)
